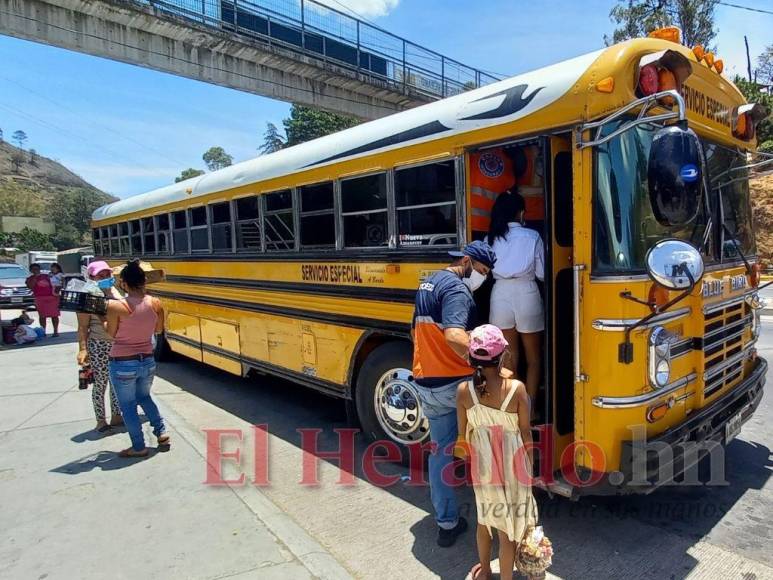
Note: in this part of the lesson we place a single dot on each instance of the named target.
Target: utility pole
(748, 58)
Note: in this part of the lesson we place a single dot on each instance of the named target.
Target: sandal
(130, 452)
(163, 439)
(116, 422)
(102, 427)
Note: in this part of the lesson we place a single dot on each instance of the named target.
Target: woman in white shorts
(516, 304)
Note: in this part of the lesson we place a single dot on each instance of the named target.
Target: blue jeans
(439, 405)
(132, 380)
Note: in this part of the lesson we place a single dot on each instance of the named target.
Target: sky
(127, 129)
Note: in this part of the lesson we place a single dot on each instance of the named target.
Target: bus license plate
(16, 300)
(732, 428)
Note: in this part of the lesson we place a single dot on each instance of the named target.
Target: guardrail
(321, 31)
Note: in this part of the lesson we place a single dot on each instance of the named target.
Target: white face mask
(474, 281)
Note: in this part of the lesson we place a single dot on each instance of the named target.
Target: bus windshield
(624, 223)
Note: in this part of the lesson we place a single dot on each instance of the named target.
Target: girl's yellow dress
(500, 467)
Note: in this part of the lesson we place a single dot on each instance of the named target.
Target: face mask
(474, 280)
(106, 284)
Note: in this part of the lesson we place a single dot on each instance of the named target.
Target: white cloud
(363, 8)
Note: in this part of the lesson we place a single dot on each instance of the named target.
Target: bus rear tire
(386, 401)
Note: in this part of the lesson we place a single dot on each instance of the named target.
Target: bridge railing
(320, 31)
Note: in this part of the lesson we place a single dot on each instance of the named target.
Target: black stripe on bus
(322, 385)
(397, 328)
(364, 293)
(369, 256)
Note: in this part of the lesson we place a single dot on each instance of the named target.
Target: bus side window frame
(205, 227)
(159, 233)
(174, 230)
(313, 213)
(458, 201)
(388, 210)
(238, 222)
(145, 251)
(123, 238)
(211, 226)
(266, 214)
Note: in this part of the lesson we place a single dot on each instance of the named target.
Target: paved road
(388, 532)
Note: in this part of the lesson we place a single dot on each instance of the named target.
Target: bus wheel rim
(398, 407)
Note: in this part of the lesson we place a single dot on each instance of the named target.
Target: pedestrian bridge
(292, 50)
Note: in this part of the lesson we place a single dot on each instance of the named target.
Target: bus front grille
(722, 343)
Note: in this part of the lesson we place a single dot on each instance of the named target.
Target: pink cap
(97, 267)
(487, 342)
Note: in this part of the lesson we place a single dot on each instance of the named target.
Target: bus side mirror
(674, 175)
(674, 264)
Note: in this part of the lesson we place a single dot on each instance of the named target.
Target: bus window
(105, 238)
(123, 239)
(149, 231)
(180, 232)
(425, 198)
(364, 209)
(114, 240)
(197, 220)
(248, 224)
(317, 216)
(278, 222)
(221, 226)
(162, 224)
(136, 237)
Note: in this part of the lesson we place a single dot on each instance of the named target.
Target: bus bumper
(688, 443)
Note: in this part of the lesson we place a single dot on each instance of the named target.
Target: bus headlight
(660, 356)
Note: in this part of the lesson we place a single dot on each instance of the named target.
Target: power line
(749, 8)
(95, 123)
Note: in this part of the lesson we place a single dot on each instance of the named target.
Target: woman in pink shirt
(46, 302)
(132, 322)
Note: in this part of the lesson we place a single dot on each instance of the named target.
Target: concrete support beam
(138, 34)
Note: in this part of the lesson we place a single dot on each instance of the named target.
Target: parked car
(13, 289)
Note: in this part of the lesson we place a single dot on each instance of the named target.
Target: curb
(310, 553)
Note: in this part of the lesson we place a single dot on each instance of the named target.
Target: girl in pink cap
(493, 415)
(94, 348)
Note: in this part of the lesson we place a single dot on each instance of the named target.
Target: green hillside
(33, 185)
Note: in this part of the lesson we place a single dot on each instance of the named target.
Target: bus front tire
(387, 405)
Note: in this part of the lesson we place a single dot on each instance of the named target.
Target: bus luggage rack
(82, 302)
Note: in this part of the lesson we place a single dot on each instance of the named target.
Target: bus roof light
(698, 51)
(670, 33)
(719, 65)
(708, 58)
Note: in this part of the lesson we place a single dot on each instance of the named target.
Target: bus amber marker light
(670, 33)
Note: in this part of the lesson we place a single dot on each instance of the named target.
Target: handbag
(534, 553)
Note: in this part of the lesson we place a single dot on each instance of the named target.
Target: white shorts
(516, 303)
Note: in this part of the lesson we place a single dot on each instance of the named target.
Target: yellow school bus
(304, 263)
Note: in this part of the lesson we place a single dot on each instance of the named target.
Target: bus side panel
(220, 345)
(184, 334)
(230, 337)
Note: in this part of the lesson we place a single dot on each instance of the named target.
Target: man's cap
(97, 267)
(479, 251)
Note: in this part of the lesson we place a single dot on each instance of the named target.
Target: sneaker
(446, 538)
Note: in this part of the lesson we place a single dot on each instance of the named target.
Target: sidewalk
(71, 508)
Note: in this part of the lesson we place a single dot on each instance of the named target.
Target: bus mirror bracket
(645, 105)
(675, 265)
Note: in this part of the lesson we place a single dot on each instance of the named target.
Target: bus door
(559, 286)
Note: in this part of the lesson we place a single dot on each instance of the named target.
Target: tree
(17, 158)
(188, 174)
(72, 211)
(272, 140)
(18, 200)
(764, 71)
(305, 124)
(33, 157)
(637, 18)
(216, 158)
(753, 94)
(1, 135)
(20, 137)
(29, 239)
